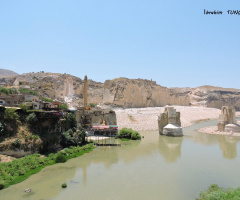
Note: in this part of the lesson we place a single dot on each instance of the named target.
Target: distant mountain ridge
(7, 73)
(122, 92)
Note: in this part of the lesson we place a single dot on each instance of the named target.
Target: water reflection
(135, 167)
(170, 147)
(228, 145)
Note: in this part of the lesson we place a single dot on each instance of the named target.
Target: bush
(2, 128)
(61, 158)
(64, 185)
(6, 91)
(1, 185)
(46, 99)
(135, 135)
(128, 133)
(24, 107)
(17, 143)
(71, 138)
(216, 192)
(63, 107)
(93, 105)
(71, 122)
(32, 119)
(10, 115)
(27, 91)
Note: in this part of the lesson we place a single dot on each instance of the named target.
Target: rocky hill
(7, 73)
(122, 92)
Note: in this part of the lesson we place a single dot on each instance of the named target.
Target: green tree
(10, 115)
(71, 138)
(32, 119)
(63, 107)
(24, 107)
(128, 133)
(71, 122)
(2, 128)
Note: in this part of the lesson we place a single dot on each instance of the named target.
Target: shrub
(71, 122)
(17, 143)
(27, 91)
(63, 107)
(1, 185)
(24, 107)
(135, 135)
(216, 192)
(64, 185)
(93, 105)
(46, 99)
(61, 158)
(125, 133)
(71, 138)
(128, 133)
(6, 91)
(10, 115)
(32, 119)
(2, 128)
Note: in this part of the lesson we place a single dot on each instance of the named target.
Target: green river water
(157, 167)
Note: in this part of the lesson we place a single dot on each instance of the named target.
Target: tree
(71, 138)
(128, 133)
(63, 107)
(11, 115)
(32, 119)
(2, 128)
(71, 122)
(24, 107)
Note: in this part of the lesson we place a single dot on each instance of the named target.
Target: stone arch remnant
(227, 116)
(169, 123)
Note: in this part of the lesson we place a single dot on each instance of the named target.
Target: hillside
(7, 73)
(122, 92)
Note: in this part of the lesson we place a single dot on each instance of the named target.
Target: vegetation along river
(157, 167)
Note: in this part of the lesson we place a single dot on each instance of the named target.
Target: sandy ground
(213, 130)
(147, 118)
(6, 158)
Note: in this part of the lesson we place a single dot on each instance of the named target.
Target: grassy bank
(20, 169)
(215, 192)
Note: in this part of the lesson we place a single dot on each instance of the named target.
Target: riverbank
(142, 119)
(20, 169)
(214, 131)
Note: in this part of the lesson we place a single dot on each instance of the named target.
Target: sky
(171, 42)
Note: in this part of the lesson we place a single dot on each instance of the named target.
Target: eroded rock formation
(122, 92)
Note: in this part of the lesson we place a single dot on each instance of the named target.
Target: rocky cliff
(122, 92)
(7, 73)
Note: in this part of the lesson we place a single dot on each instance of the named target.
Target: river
(157, 167)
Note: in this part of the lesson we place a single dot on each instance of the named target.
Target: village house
(12, 100)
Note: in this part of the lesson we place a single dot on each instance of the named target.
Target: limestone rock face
(122, 92)
(173, 130)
